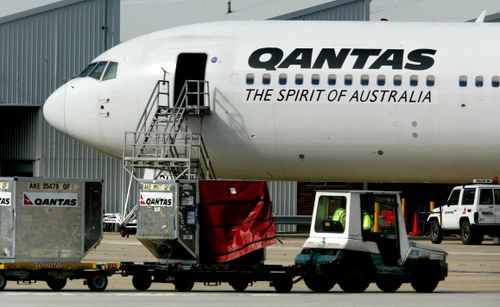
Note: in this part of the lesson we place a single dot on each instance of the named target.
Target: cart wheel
(318, 283)
(426, 277)
(239, 285)
(423, 285)
(141, 281)
(183, 284)
(56, 284)
(389, 285)
(283, 284)
(3, 281)
(97, 281)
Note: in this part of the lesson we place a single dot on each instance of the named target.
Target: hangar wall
(334, 10)
(40, 50)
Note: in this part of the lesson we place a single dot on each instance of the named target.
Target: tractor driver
(339, 218)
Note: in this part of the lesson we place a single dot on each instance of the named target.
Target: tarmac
(473, 279)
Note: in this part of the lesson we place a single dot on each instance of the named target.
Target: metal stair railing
(159, 144)
(153, 104)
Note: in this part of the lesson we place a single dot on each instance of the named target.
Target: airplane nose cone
(54, 109)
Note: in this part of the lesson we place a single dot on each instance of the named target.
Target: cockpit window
(110, 72)
(97, 71)
(87, 69)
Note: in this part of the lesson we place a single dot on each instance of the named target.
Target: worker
(339, 216)
(367, 221)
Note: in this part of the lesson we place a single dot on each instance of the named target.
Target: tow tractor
(335, 252)
(354, 257)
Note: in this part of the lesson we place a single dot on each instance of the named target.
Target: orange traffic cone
(415, 232)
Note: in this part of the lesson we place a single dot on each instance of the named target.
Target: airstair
(163, 146)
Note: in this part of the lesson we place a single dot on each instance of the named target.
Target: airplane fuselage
(336, 101)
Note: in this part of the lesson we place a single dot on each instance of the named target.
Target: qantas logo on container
(5, 198)
(40, 199)
(156, 199)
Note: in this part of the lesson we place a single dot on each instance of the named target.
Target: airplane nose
(54, 109)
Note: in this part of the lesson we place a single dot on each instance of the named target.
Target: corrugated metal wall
(336, 10)
(39, 50)
(284, 197)
(358, 10)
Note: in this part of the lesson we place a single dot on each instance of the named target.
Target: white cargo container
(49, 220)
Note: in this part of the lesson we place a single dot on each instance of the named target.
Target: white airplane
(304, 100)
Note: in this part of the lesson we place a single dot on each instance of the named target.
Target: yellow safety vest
(339, 216)
(367, 221)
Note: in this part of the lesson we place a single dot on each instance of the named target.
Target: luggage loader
(353, 257)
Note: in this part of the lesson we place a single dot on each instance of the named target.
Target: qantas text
(272, 58)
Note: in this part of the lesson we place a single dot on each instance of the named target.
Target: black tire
(436, 233)
(389, 285)
(141, 281)
(97, 282)
(470, 235)
(3, 281)
(183, 284)
(423, 285)
(319, 283)
(354, 280)
(239, 285)
(283, 284)
(56, 284)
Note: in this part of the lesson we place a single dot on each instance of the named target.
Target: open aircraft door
(190, 67)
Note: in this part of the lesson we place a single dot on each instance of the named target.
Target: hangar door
(18, 146)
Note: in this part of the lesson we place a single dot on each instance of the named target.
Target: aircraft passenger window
(250, 79)
(282, 79)
(332, 79)
(398, 80)
(380, 80)
(365, 79)
(430, 81)
(266, 79)
(87, 69)
(495, 81)
(97, 71)
(413, 80)
(315, 79)
(348, 80)
(462, 81)
(299, 79)
(110, 72)
(479, 81)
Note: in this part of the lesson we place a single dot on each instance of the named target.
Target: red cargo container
(235, 219)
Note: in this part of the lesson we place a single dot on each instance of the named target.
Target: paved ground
(472, 269)
(474, 280)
